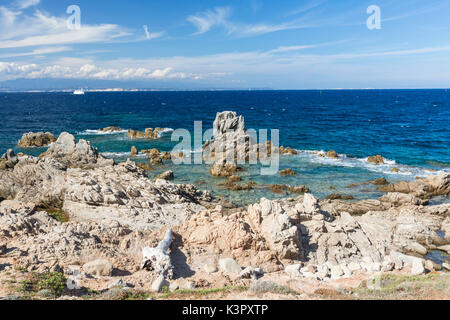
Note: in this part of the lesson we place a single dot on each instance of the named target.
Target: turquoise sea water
(408, 127)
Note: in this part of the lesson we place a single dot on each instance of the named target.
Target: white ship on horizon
(78, 92)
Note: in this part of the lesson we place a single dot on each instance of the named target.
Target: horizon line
(116, 90)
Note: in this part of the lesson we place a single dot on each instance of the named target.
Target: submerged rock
(168, 175)
(376, 159)
(111, 129)
(288, 151)
(149, 133)
(332, 154)
(299, 189)
(380, 182)
(156, 157)
(240, 187)
(223, 168)
(276, 188)
(156, 162)
(233, 179)
(152, 153)
(134, 151)
(145, 166)
(287, 172)
(166, 156)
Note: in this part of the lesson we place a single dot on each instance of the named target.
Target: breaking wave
(90, 132)
(390, 167)
(165, 131)
(121, 155)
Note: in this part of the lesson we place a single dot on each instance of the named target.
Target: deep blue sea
(410, 128)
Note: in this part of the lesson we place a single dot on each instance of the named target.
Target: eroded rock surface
(115, 211)
(231, 144)
(299, 232)
(73, 177)
(433, 185)
(36, 139)
(149, 133)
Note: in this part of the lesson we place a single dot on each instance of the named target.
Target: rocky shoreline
(74, 212)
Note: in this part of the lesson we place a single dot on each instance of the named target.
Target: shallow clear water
(408, 127)
(438, 257)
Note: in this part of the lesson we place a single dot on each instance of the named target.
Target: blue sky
(229, 44)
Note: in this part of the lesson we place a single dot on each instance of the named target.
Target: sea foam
(90, 132)
(387, 168)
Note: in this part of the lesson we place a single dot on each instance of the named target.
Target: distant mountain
(71, 84)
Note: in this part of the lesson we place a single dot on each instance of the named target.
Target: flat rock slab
(229, 265)
(445, 248)
(101, 267)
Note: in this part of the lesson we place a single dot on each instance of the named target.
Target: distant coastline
(7, 90)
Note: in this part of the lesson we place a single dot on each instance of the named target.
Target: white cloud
(256, 5)
(292, 48)
(7, 17)
(152, 35)
(87, 34)
(288, 61)
(24, 4)
(147, 33)
(219, 17)
(391, 53)
(211, 18)
(69, 68)
(243, 30)
(40, 51)
(11, 70)
(92, 72)
(18, 29)
(307, 7)
(417, 11)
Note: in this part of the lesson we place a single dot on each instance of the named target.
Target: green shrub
(54, 281)
(58, 215)
(25, 286)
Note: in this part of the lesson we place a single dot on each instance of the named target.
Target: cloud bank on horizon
(290, 45)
